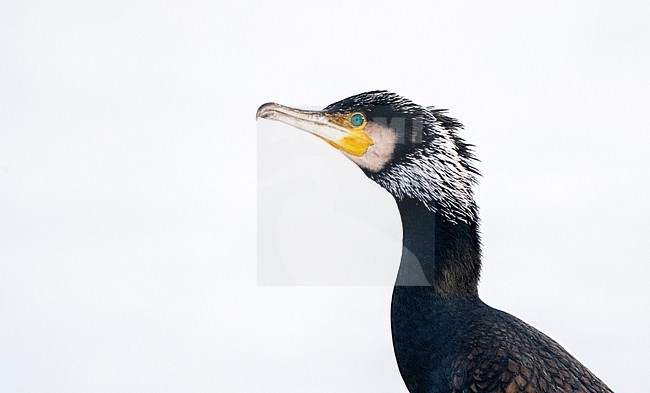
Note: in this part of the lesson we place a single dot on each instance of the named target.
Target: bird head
(410, 150)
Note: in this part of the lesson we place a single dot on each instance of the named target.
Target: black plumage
(445, 338)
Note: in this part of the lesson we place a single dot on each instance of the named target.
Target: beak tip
(265, 110)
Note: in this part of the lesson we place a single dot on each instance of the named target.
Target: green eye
(357, 119)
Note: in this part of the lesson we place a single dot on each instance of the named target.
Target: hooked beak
(328, 127)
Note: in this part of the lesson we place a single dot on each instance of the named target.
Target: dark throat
(439, 254)
(435, 292)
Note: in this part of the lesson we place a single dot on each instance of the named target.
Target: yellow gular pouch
(357, 141)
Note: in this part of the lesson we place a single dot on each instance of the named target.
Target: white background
(128, 184)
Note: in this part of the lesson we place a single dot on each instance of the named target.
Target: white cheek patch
(380, 152)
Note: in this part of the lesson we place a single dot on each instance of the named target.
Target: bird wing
(505, 354)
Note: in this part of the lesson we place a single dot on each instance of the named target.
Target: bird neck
(438, 253)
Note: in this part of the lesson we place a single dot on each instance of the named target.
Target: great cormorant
(445, 338)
